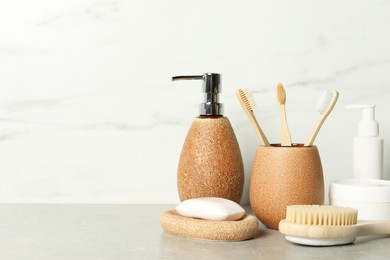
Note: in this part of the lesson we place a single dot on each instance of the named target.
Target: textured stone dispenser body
(210, 163)
(283, 176)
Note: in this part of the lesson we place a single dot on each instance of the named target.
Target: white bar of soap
(210, 208)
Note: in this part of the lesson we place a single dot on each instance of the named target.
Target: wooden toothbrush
(325, 105)
(285, 138)
(248, 104)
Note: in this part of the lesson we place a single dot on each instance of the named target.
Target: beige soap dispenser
(210, 163)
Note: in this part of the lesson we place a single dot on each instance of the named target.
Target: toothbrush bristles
(281, 94)
(324, 101)
(247, 98)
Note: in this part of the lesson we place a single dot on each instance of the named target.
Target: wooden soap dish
(242, 229)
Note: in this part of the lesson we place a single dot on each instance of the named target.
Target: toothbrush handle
(263, 139)
(316, 129)
(285, 138)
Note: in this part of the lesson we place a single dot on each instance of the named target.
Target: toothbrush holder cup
(282, 176)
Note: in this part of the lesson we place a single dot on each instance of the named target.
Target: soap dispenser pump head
(211, 90)
(367, 126)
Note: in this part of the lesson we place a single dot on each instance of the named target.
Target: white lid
(373, 191)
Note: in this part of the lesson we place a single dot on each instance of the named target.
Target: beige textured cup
(283, 176)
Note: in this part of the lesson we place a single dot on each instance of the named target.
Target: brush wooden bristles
(321, 215)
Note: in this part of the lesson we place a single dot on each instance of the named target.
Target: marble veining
(88, 112)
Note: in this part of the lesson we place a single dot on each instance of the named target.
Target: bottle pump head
(211, 89)
(367, 126)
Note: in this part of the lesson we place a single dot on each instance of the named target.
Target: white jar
(370, 197)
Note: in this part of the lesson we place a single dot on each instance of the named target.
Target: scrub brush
(325, 105)
(248, 104)
(317, 225)
(285, 138)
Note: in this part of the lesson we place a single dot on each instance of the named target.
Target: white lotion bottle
(367, 146)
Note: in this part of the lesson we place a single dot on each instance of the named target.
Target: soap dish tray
(241, 229)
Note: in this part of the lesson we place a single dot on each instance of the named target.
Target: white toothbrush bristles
(324, 101)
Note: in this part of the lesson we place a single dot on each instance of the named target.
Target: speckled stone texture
(242, 229)
(210, 162)
(283, 176)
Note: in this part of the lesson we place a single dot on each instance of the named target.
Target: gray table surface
(95, 231)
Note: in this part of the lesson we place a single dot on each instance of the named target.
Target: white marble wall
(88, 112)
